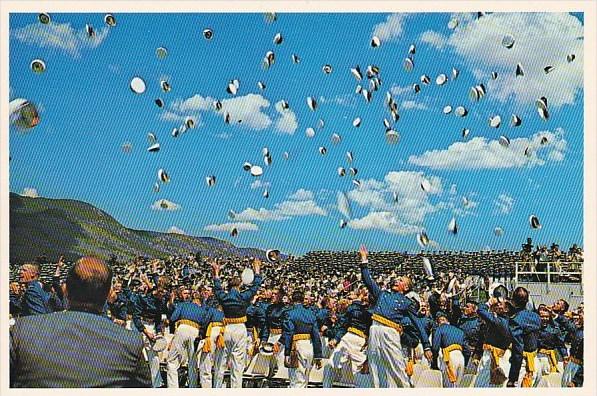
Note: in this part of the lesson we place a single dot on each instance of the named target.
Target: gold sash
(553, 360)
(449, 367)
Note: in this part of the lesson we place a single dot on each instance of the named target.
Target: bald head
(88, 284)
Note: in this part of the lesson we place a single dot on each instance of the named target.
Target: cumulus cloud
(176, 230)
(391, 29)
(30, 192)
(61, 36)
(302, 195)
(228, 227)
(171, 116)
(164, 204)
(541, 39)
(504, 203)
(412, 105)
(434, 39)
(396, 204)
(386, 221)
(194, 103)
(480, 153)
(299, 204)
(287, 122)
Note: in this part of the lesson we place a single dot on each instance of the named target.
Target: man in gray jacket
(80, 347)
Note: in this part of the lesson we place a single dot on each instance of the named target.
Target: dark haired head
(298, 296)
(234, 282)
(520, 297)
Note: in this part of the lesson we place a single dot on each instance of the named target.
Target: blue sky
(88, 112)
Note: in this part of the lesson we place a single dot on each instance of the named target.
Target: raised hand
(364, 253)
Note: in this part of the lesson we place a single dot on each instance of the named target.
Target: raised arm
(218, 290)
(373, 287)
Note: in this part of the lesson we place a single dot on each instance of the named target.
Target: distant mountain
(54, 227)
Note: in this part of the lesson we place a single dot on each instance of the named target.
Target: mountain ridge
(53, 227)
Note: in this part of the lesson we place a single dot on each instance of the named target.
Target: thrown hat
(137, 85)
(110, 20)
(38, 66)
(375, 42)
(44, 18)
(272, 255)
(208, 34)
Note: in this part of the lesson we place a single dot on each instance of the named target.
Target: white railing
(553, 269)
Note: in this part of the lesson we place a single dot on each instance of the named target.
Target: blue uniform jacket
(35, 300)
(576, 334)
(274, 315)
(119, 308)
(550, 338)
(256, 318)
(235, 302)
(300, 320)
(444, 336)
(357, 316)
(396, 307)
(215, 315)
(151, 307)
(471, 325)
(190, 311)
(524, 330)
(497, 332)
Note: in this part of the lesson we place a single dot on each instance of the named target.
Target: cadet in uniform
(302, 342)
(147, 318)
(493, 365)
(524, 331)
(349, 343)
(449, 340)
(189, 318)
(234, 303)
(118, 304)
(549, 343)
(255, 326)
(470, 323)
(391, 312)
(274, 316)
(212, 351)
(573, 367)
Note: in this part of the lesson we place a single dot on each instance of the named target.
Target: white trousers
(152, 358)
(212, 360)
(183, 351)
(569, 373)
(277, 360)
(347, 355)
(299, 377)
(386, 360)
(235, 339)
(484, 370)
(457, 361)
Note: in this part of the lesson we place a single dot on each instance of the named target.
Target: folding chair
(279, 379)
(256, 372)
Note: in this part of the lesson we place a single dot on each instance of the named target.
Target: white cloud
(386, 221)
(412, 105)
(61, 36)
(391, 29)
(434, 39)
(171, 116)
(541, 39)
(194, 103)
(302, 195)
(164, 204)
(287, 122)
(402, 215)
(261, 214)
(504, 203)
(300, 204)
(480, 153)
(259, 184)
(246, 111)
(30, 192)
(227, 227)
(176, 230)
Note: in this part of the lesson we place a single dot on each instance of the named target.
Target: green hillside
(54, 227)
